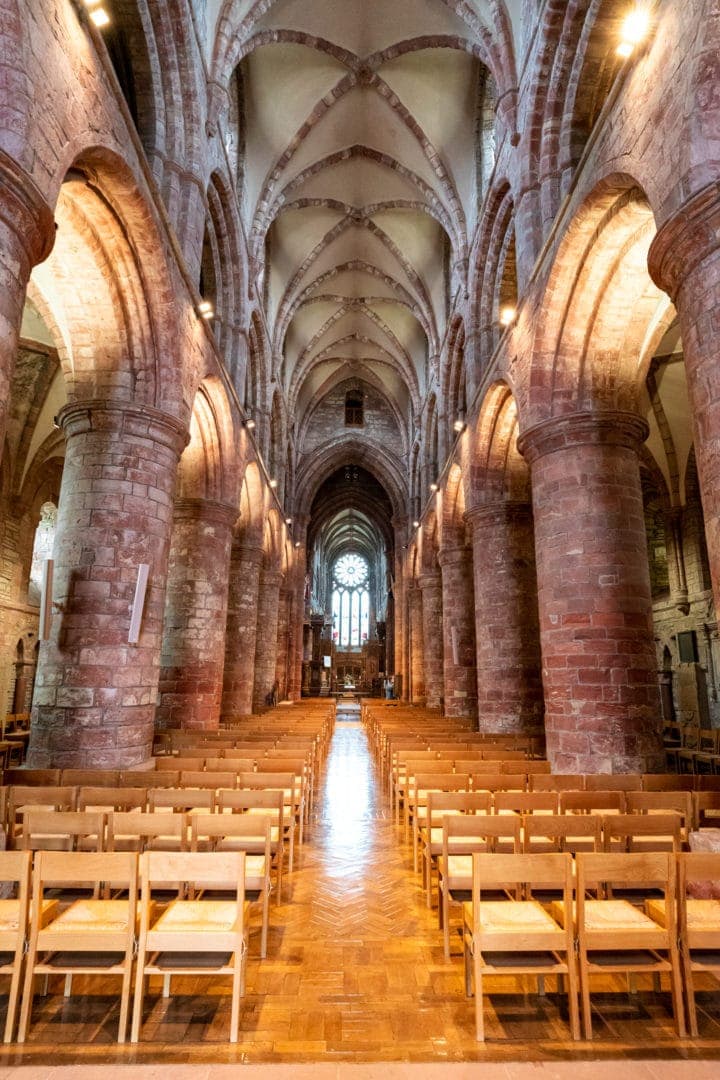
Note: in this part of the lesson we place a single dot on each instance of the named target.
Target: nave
(355, 972)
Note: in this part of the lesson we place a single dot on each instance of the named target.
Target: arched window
(350, 601)
(354, 406)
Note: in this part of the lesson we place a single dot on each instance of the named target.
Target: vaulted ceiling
(360, 189)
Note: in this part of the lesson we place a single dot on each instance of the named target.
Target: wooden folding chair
(21, 799)
(178, 764)
(613, 782)
(556, 782)
(662, 802)
(614, 936)
(497, 781)
(422, 784)
(90, 777)
(241, 832)
(526, 802)
(112, 798)
(286, 783)
(90, 937)
(642, 832)
(191, 937)
(561, 832)
(593, 802)
(148, 779)
(698, 922)
(210, 781)
(706, 809)
(440, 804)
(137, 830)
(464, 835)
(62, 830)
(15, 869)
(266, 803)
(519, 937)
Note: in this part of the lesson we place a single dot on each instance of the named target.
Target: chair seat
(608, 914)
(182, 916)
(10, 910)
(91, 916)
(505, 916)
(701, 914)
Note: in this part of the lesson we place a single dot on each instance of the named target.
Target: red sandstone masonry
(96, 694)
(241, 634)
(602, 709)
(267, 635)
(415, 621)
(432, 614)
(459, 664)
(510, 695)
(193, 655)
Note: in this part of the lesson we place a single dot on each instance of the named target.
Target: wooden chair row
(610, 935)
(190, 934)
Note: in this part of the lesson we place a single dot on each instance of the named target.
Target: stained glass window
(350, 601)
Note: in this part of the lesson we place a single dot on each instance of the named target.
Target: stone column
(282, 663)
(27, 234)
(241, 631)
(267, 634)
(193, 653)
(297, 612)
(602, 704)
(432, 621)
(416, 690)
(684, 260)
(459, 670)
(95, 694)
(507, 634)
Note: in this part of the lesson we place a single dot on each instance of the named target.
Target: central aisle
(360, 966)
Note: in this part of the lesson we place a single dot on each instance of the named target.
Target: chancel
(360, 531)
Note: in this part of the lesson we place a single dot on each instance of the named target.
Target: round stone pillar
(416, 665)
(432, 623)
(267, 636)
(684, 260)
(27, 234)
(193, 652)
(509, 685)
(95, 693)
(297, 613)
(459, 669)
(241, 632)
(283, 661)
(602, 703)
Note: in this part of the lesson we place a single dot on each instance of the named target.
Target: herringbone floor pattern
(355, 972)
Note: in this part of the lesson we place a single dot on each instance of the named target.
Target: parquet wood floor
(355, 973)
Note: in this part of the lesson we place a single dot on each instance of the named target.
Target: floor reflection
(349, 803)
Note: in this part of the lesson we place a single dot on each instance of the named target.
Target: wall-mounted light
(507, 315)
(433, 487)
(206, 310)
(459, 425)
(634, 29)
(297, 544)
(97, 13)
(249, 423)
(416, 524)
(273, 483)
(288, 521)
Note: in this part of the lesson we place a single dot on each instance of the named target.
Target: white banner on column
(46, 588)
(138, 604)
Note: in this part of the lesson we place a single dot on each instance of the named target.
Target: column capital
(251, 553)
(25, 211)
(456, 553)
(489, 512)
(604, 428)
(206, 510)
(430, 580)
(124, 418)
(685, 240)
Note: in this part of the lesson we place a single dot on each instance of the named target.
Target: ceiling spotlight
(97, 13)
(459, 425)
(634, 29)
(206, 310)
(273, 483)
(433, 487)
(507, 315)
